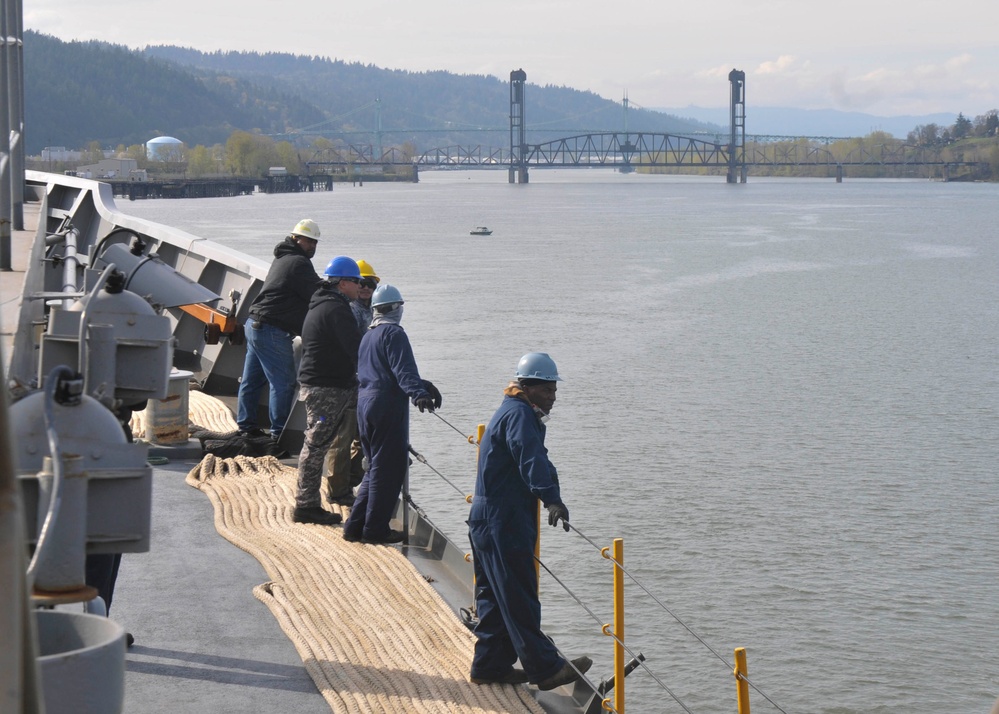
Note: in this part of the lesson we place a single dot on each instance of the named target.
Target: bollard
(82, 662)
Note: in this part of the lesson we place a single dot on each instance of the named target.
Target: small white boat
(480, 231)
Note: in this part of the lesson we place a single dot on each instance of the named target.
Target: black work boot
(567, 674)
(514, 676)
(315, 514)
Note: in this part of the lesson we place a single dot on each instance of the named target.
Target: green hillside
(80, 92)
(413, 103)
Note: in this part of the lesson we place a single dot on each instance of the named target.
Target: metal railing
(616, 629)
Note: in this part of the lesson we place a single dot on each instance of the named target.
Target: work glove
(424, 404)
(435, 393)
(556, 512)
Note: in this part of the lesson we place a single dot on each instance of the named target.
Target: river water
(783, 396)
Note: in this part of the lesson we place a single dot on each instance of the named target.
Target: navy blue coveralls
(387, 376)
(513, 473)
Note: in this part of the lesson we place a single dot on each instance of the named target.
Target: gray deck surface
(203, 643)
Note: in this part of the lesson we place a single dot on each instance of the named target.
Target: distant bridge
(627, 151)
(632, 150)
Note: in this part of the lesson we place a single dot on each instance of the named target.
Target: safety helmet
(538, 365)
(342, 267)
(385, 295)
(306, 228)
(367, 271)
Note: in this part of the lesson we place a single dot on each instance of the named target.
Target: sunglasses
(352, 280)
(369, 284)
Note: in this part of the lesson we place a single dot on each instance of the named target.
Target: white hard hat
(306, 228)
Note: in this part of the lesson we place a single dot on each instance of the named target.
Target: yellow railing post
(741, 685)
(619, 625)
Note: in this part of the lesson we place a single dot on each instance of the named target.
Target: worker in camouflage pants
(328, 378)
(325, 411)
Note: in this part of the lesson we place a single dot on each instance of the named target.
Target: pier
(216, 187)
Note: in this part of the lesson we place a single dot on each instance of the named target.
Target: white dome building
(164, 148)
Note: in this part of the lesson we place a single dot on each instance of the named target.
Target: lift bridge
(627, 151)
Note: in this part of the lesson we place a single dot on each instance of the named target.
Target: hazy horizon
(888, 64)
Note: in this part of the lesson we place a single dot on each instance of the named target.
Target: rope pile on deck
(205, 412)
(373, 634)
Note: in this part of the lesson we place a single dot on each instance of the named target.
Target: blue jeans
(269, 359)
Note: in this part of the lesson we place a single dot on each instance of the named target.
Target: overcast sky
(882, 57)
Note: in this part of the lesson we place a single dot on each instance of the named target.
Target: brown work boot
(570, 672)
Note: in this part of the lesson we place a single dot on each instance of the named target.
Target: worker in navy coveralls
(387, 379)
(513, 473)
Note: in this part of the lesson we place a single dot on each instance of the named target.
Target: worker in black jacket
(328, 378)
(275, 318)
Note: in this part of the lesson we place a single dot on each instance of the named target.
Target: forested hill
(79, 92)
(424, 100)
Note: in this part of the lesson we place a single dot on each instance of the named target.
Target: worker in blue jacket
(387, 379)
(513, 474)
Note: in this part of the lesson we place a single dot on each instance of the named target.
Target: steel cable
(626, 648)
(469, 439)
(601, 549)
(419, 457)
(648, 592)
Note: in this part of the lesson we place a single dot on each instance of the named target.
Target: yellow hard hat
(367, 271)
(306, 228)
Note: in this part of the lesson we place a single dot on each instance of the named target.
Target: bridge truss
(627, 149)
(633, 150)
(885, 154)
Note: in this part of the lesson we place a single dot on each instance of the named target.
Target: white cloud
(956, 63)
(778, 66)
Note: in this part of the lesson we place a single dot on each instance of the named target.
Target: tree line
(971, 147)
(983, 126)
(246, 154)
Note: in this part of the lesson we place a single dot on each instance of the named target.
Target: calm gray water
(784, 396)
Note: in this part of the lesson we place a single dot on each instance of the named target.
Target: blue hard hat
(537, 365)
(343, 267)
(386, 294)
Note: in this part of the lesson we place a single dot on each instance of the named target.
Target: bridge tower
(737, 124)
(378, 127)
(518, 141)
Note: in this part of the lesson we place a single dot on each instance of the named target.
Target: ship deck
(203, 643)
(206, 642)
